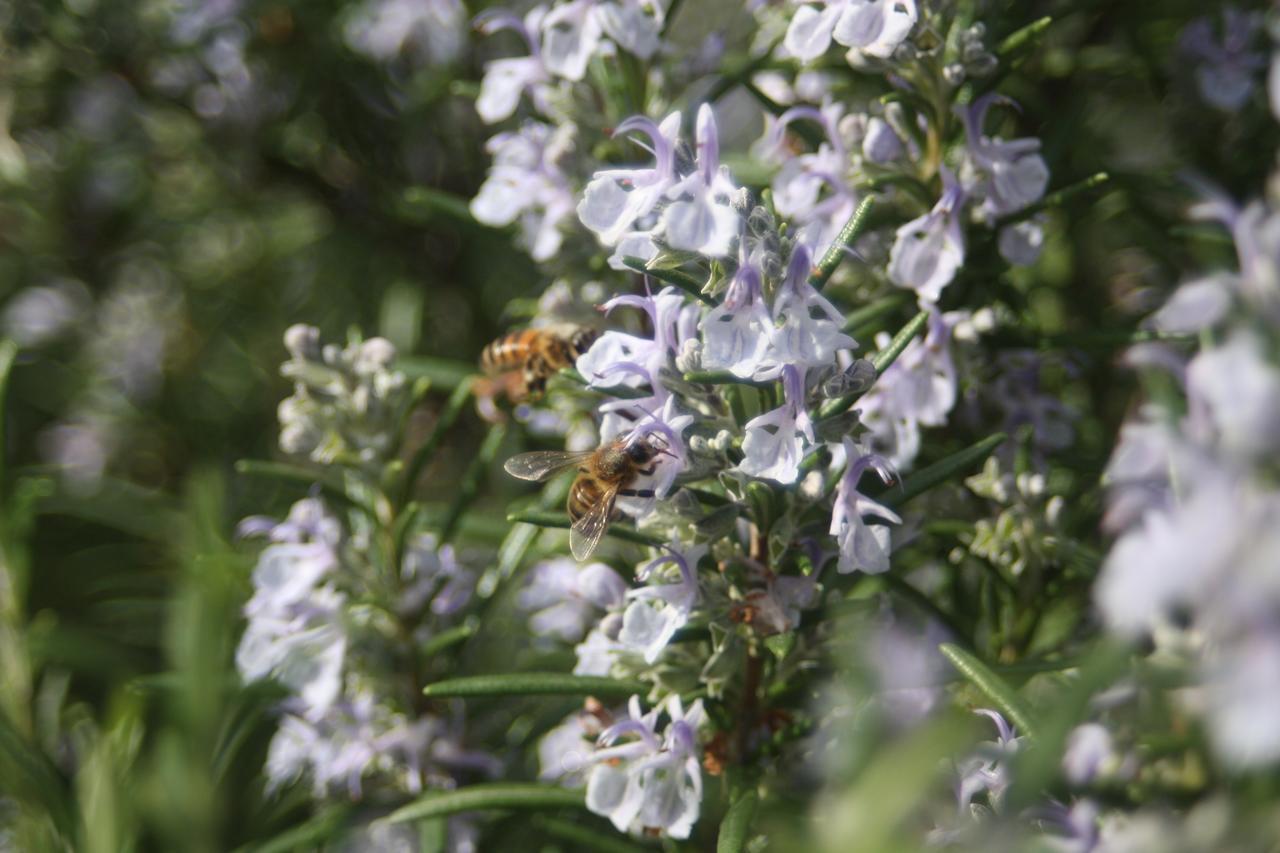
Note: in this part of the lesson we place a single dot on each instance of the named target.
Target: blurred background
(182, 181)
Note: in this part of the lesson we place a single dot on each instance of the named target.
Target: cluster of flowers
(1193, 496)
(331, 622)
(746, 387)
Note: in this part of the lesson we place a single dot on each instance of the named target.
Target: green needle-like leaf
(8, 353)
(721, 377)
(735, 829)
(1024, 39)
(851, 231)
(457, 401)
(561, 521)
(678, 278)
(996, 688)
(943, 470)
(306, 836)
(497, 795)
(450, 638)
(533, 684)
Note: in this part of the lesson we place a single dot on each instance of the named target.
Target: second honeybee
(603, 475)
(530, 357)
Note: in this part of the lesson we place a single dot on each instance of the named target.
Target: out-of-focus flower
(988, 771)
(1233, 394)
(432, 31)
(1021, 243)
(526, 185)
(505, 80)
(1089, 749)
(1227, 65)
(37, 315)
(573, 32)
(870, 27)
(566, 597)
(649, 783)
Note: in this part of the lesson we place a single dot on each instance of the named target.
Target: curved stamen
(663, 153)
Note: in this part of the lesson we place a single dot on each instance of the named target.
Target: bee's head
(640, 452)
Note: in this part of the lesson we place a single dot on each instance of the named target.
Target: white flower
(871, 27)
(616, 199)
(525, 185)
(505, 80)
(774, 442)
(649, 783)
(703, 220)
(863, 547)
(1233, 394)
(735, 334)
(1008, 175)
(657, 612)
(928, 250)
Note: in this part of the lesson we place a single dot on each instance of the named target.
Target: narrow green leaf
(884, 359)
(118, 504)
(291, 473)
(31, 776)
(496, 795)
(561, 521)
(423, 204)
(534, 684)
(447, 639)
(1024, 39)
(308, 835)
(444, 374)
(851, 231)
(943, 470)
(677, 278)
(996, 688)
(584, 837)
(735, 829)
(721, 377)
(470, 486)
(453, 408)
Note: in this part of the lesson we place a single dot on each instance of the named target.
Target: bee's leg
(636, 493)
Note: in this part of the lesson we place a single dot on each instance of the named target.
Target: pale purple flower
(434, 577)
(1242, 690)
(526, 186)
(302, 646)
(1088, 750)
(505, 80)
(1006, 175)
(1196, 305)
(736, 333)
(616, 200)
(870, 27)
(566, 597)
(1226, 64)
(910, 671)
(596, 654)
(928, 250)
(564, 753)
(798, 187)
(1022, 242)
(38, 315)
(774, 442)
(429, 30)
(1233, 397)
(778, 605)
(656, 612)
(1170, 559)
(988, 771)
(574, 32)
(863, 547)
(806, 328)
(649, 783)
(703, 219)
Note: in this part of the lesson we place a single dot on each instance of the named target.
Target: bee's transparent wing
(586, 532)
(541, 464)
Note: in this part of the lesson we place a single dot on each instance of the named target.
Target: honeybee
(603, 475)
(522, 362)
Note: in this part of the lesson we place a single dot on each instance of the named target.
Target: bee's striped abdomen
(508, 352)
